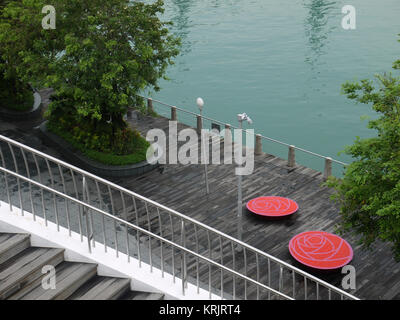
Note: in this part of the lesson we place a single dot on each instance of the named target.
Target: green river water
(282, 62)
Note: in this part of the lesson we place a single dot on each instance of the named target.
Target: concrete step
(25, 267)
(11, 244)
(136, 295)
(22, 275)
(102, 288)
(70, 276)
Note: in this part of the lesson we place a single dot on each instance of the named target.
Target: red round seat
(320, 250)
(272, 206)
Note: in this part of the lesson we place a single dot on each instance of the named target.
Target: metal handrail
(132, 226)
(247, 249)
(234, 127)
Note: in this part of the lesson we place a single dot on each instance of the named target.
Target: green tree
(114, 50)
(369, 192)
(101, 54)
(18, 31)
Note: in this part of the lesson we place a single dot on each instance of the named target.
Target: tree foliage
(101, 54)
(12, 89)
(369, 193)
(115, 49)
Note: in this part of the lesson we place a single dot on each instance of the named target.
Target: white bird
(244, 116)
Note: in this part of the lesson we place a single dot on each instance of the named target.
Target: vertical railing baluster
(18, 181)
(209, 265)
(90, 215)
(41, 189)
(54, 195)
(147, 215)
(137, 232)
(115, 239)
(222, 263)
(245, 272)
(294, 284)
(79, 207)
(173, 248)
(103, 224)
(66, 201)
(126, 226)
(161, 242)
(305, 288)
(280, 278)
(269, 278)
(183, 258)
(258, 276)
(182, 274)
(85, 214)
(6, 179)
(114, 222)
(150, 247)
(197, 259)
(317, 290)
(30, 184)
(234, 268)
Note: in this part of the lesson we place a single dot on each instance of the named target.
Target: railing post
(199, 124)
(85, 213)
(173, 114)
(183, 258)
(150, 108)
(291, 157)
(328, 168)
(258, 149)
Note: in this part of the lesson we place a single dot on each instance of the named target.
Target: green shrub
(128, 147)
(17, 101)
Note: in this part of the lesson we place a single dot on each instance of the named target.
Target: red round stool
(272, 206)
(320, 250)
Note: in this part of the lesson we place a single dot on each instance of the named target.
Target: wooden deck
(182, 188)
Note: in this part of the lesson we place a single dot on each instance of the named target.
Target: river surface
(283, 63)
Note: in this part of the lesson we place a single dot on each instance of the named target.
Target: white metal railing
(103, 212)
(190, 118)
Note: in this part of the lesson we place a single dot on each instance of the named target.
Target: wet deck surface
(182, 188)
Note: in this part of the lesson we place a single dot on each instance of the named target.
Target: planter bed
(14, 115)
(78, 159)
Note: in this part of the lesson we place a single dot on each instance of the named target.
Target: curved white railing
(149, 231)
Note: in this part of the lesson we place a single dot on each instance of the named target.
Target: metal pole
(204, 156)
(85, 213)
(239, 214)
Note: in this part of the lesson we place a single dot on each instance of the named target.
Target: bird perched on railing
(244, 116)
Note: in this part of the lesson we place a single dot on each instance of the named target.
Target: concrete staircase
(21, 275)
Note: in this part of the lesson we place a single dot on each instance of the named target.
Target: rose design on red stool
(272, 206)
(320, 250)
